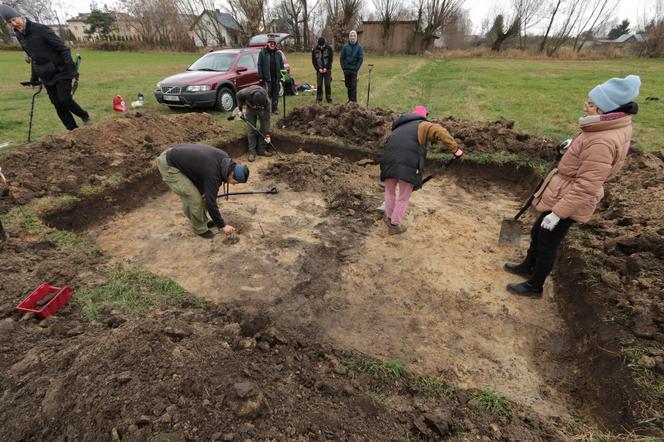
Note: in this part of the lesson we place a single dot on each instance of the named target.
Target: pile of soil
(205, 374)
(359, 126)
(349, 122)
(348, 190)
(91, 155)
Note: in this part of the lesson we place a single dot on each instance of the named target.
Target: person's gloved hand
(228, 229)
(550, 221)
(458, 153)
(237, 112)
(267, 139)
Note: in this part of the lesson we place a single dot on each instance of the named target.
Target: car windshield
(219, 62)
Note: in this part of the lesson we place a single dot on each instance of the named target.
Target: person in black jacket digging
(51, 63)
(195, 172)
(321, 57)
(404, 159)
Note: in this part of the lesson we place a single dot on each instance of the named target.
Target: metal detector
(270, 191)
(232, 117)
(370, 66)
(32, 106)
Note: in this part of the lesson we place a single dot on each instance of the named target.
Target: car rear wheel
(225, 99)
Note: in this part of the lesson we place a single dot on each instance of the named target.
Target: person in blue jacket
(351, 59)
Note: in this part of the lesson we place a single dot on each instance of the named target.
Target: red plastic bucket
(61, 296)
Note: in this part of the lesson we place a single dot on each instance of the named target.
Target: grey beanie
(8, 12)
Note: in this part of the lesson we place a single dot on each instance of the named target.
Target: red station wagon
(213, 79)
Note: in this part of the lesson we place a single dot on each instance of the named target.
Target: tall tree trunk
(548, 29)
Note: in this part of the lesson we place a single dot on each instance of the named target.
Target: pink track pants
(396, 208)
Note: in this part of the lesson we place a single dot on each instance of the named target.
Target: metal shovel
(511, 228)
(270, 191)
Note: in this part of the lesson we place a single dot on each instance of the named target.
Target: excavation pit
(315, 260)
(316, 257)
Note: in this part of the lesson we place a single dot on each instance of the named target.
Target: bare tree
(432, 17)
(652, 22)
(498, 34)
(342, 17)
(249, 13)
(530, 13)
(291, 12)
(596, 14)
(157, 25)
(388, 11)
(551, 14)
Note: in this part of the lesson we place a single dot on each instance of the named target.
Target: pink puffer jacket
(576, 186)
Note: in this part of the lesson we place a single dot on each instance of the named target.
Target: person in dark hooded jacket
(253, 104)
(195, 172)
(51, 63)
(404, 159)
(321, 58)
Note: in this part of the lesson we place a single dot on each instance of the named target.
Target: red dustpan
(45, 300)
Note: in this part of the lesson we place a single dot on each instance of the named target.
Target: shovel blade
(510, 233)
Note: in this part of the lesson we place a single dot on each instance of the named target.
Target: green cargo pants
(192, 201)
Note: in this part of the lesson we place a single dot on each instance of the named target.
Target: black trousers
(543, 248)
(350, 78)
(272, 88)
(324, 79)
(65, 106)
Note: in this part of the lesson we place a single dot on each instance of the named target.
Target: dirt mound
(349, 122)
(95, 155)
(347, 188)
(359, 126)
(498, 137)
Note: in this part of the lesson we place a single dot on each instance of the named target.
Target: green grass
(544, 97)
(131, 292)
(431, 387)
(492, 402)
(379, 400)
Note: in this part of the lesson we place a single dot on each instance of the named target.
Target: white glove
(458, 153)
(267, 139)
(550, 221)
(237, 112)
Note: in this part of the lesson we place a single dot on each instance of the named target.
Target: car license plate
(171, 98)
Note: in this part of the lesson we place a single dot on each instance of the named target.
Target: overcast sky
(478, 9)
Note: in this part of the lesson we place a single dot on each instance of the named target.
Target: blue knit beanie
(615, 92)
(8, 12)
(241, 173)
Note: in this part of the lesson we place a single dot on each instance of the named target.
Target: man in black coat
(195, 172)
(51, 62)
(270, 64)
(321, 58)
(253, 104)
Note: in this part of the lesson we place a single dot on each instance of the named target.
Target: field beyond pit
(544, 97)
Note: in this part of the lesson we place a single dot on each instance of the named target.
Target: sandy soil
(427, 298)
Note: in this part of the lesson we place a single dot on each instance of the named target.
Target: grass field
(544, 97)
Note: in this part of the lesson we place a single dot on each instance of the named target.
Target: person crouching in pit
(403, 161)
(195, 172)
(570, 193)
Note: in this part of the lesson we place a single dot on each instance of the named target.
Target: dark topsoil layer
(93, 155)
(183, 373)
(369, 128)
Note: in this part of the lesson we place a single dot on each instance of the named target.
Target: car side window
(247, 61)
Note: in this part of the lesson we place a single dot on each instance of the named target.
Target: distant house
(401, 38)
(278, 26)
(625, 39)
(216, 28)
(78, 25)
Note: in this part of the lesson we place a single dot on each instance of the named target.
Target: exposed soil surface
(311, 285)
(321, 262)
(359, 126)
(94, 155)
